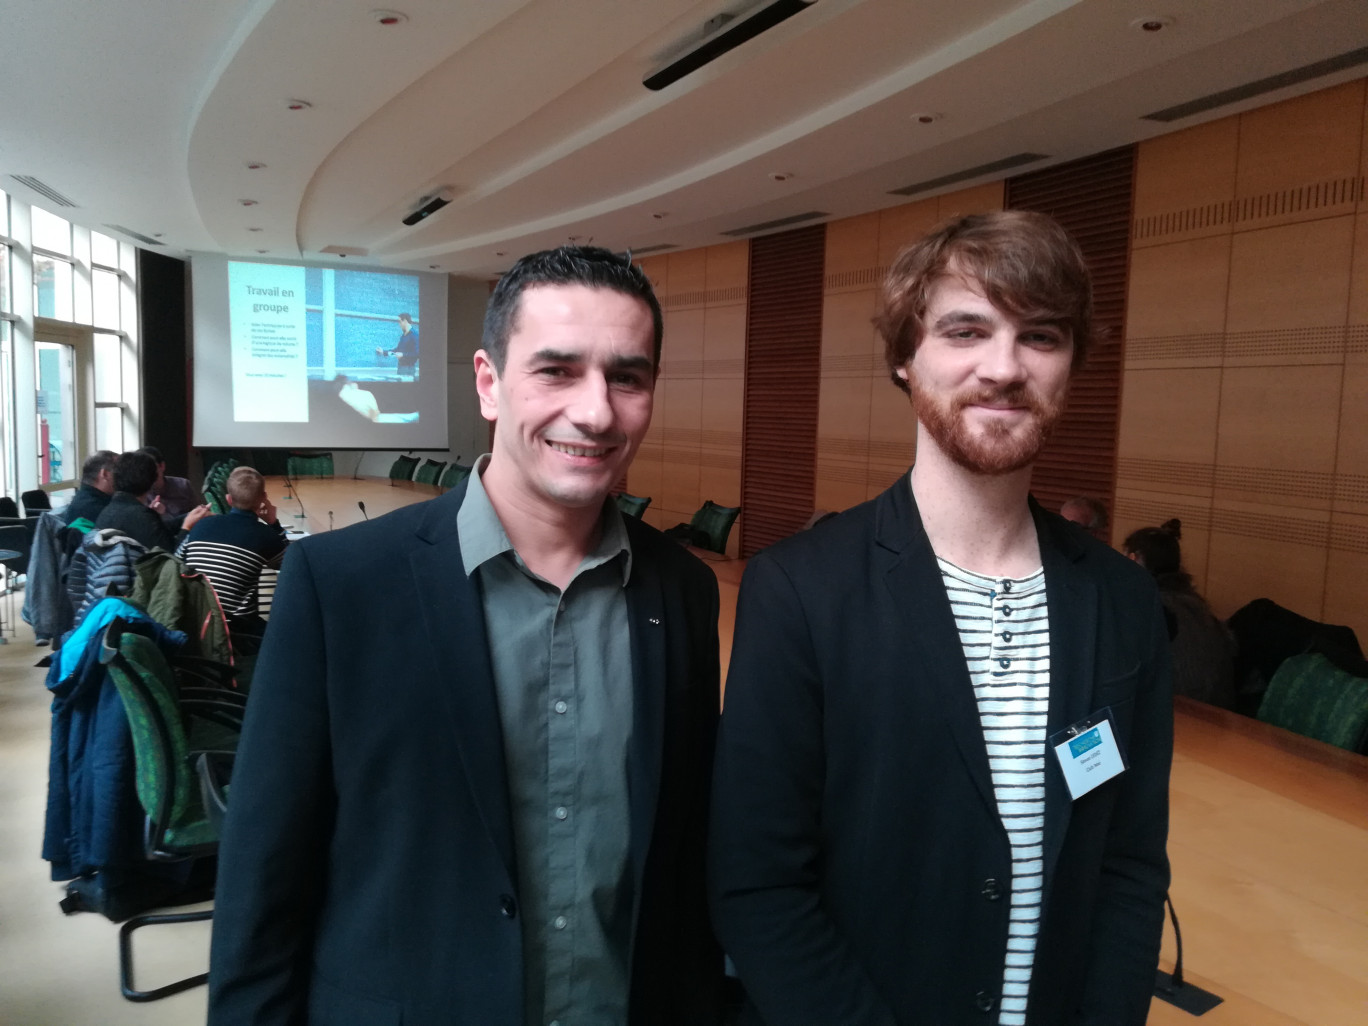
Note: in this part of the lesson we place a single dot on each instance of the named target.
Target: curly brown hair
(1025, 263)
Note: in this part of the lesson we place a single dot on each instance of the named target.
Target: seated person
(171, 496)
(128, 510)
(97, 485)
(1089, 514)
(231, 550)
(1203, 648)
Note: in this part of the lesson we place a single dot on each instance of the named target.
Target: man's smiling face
(574, 397)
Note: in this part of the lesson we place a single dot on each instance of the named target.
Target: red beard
(997, 448)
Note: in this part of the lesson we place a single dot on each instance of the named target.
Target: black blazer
(861, 873)
(367, 870)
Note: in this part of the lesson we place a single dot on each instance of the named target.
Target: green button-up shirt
(563, 675)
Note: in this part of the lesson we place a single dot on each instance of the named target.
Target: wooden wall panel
(1249, 310)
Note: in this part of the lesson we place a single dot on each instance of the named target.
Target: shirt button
(984, 1001)
(1006, 586)
(562, 812)
(560, 608)
(560, 922)
(560, 707)
(1006, 610)
(1006, 635)
(507, 905)
(991, 890)
(1004, 663)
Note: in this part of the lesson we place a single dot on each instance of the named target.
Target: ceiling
(147, 114)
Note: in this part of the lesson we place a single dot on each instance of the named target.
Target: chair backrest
(216, 482)
(402, 468)
(36, 501)
(166, 787)
(632, 505)
(1310, 695)
(429, 472)
(309, 464)
(16, 536)
(9, 509)
(454, 475)
(712, 524)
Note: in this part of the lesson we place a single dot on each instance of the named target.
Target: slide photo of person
(364, 403)
(363, 324)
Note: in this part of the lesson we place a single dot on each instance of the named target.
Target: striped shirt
(231, 550)
(1004, 628)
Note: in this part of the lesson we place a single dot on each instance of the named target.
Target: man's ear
(903, 372)
(487, 385)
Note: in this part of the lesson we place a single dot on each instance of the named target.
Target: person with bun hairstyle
(1203, 648)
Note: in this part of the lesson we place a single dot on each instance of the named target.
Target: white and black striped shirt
(231, 550)
(1004, 628)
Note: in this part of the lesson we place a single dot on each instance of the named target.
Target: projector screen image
(294, 356)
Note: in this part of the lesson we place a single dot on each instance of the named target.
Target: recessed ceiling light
(661, 215)
(248, 202)
(297, 104)
(499, 252)
(434, 267)
(255, 165)
(1153, 24)
(927, 118)
(389, 18)
(781, 176)
(254, 229)
(263, 251)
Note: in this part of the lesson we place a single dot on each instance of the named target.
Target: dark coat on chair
(367, 872)
(861, 871)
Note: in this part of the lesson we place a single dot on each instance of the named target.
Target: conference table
(1268, 832)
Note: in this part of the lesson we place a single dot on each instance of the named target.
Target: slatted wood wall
(783, 362)
(1092, 199)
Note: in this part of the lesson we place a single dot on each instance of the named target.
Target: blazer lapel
(935, 654)
(1072, 601)
(648, 624)
(453, 618)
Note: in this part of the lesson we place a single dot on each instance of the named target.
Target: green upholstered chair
(632, 505)
(454, 475)
(309, 464)
(216, 483)
(170, 730)
(709, 527)
(402, 469)
(429, 472)
(1310, 695)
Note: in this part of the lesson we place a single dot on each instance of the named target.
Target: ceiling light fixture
(1151, 25)
(661, 215)
(263, 251)
(725, 35)
(928, 118)
(248, 202)
(298, 105)
(389, 18)
(255, 165)
(254, 229)
(781, 176)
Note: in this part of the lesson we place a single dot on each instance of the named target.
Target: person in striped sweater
(941, 792)
(233, 549)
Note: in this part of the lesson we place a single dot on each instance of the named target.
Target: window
(51, 233)
(104, 251)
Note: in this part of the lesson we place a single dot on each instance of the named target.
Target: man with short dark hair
(1088, 513)
(406, 348)
(134, 475)
(97, 485)
(233, 549)
(942, 782)
(171, 496)
(472, 786)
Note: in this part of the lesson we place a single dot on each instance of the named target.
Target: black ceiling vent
(139, 236)
(1202, 104)
(730, 33)
(43, 189)
(992, 167)
(783, 222)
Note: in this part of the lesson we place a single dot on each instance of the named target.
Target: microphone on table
(329, 520)
(362, 507)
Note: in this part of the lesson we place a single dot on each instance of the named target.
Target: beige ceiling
(146, 113)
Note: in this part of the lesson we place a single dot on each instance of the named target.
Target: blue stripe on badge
(1085, 742)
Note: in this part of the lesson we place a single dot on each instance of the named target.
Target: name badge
(1088, 753)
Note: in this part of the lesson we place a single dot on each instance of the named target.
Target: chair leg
(126, 955)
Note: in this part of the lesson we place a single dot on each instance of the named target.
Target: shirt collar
(483, 537)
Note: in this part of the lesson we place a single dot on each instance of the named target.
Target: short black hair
(134, 473)
(152, 451)
(406, 317)
(102, 460)
(591, 266)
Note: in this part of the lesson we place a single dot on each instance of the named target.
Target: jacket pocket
(330, 1005)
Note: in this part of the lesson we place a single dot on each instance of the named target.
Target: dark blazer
(367, 871)
(861, 873)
